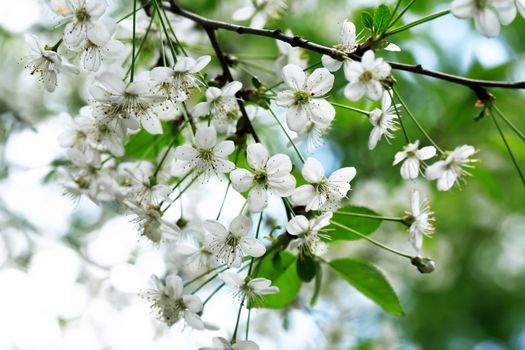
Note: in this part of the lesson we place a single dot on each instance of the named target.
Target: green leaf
(146, 146)
(370, 281)
(367, 20)
(317, 283)
(363, 225)
(280, 268)
(382, 18)
(305, 267)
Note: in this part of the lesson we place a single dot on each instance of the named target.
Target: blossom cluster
(203, 119)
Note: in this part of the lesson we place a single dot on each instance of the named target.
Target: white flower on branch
(172, 305)
(488, 14)
(230, 246)
(289, 54)
(411, 156)
(83, 21)
(305, 100)
(150, 222)
(259, 11)
(206, 156)
(451, 170)
(383, 121)
(130, 103)
(421, 218)
(102, 133)
(270, 174)
(46, 63)
(93, 54)
(248, 288)
(220, 343)
(366, 77)
(322, 193)
(348, 43)
(312, 136)
(221, 105)
(308, 234)
(175, 83)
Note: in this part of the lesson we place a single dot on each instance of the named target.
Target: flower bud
(424, 265)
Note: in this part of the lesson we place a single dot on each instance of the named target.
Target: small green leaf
(382, 18)
(370, 281)
(305, 267)
(280, 268)
(367, 20)
(363, 225)
(317, 283)
(256, 82)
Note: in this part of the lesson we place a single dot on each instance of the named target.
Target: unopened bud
(424, 265)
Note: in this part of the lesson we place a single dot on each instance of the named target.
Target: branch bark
(479, 86)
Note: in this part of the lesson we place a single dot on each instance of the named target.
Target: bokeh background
(70, 272)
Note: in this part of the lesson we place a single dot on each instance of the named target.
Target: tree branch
(248, 127)
(477, 85)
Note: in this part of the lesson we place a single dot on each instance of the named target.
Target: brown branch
(247, 127)
(479, 86)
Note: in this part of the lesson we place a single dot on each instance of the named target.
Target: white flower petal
(313, 170)
(241, 179)
(294, 76)
(257, 156)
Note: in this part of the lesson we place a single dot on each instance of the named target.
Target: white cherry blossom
(411, 156)
(259, 11)
(347, 43)
(304, 99)
(451, 170)
(421, 218)
(83, 21)
(289, 54)
(250, 288)
(150, 223)
(172, 305)
(175, 83)
(365, 77)
(322, 193)
(94, 54)
(231, 245)
(220, 343)
(383, 120)
(488, 14)
(131, 104)
(221, 105)
(46, 63)
(206, 156)
(269, 174)
(308, 234)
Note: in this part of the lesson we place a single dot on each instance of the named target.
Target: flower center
(366, 76)
(82, 15)
(480, 4)
(232, 240)
(301, 97)
(261, 178)
(206, 155)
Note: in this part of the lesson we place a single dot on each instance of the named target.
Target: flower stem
(209, 280)
(248, 324)
(163, 25)
(509, 123)
(228, 186)
(415, 23)
(416, 122)
(286, 133)
(394, 20)
(133, 12)
(133, 41)
(219, 287)
(361, 111)
(514, 161)
(368, 216)
(135, 55)
(202, 275)
(165, 155)
(407, 139)
(371, 240)
(234, 336)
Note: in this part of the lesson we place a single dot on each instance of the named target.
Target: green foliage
(366, 19)
(382, 18)
(281, 268)
(370, 281)
(306, 267)
(144, 146)
(363, 225)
